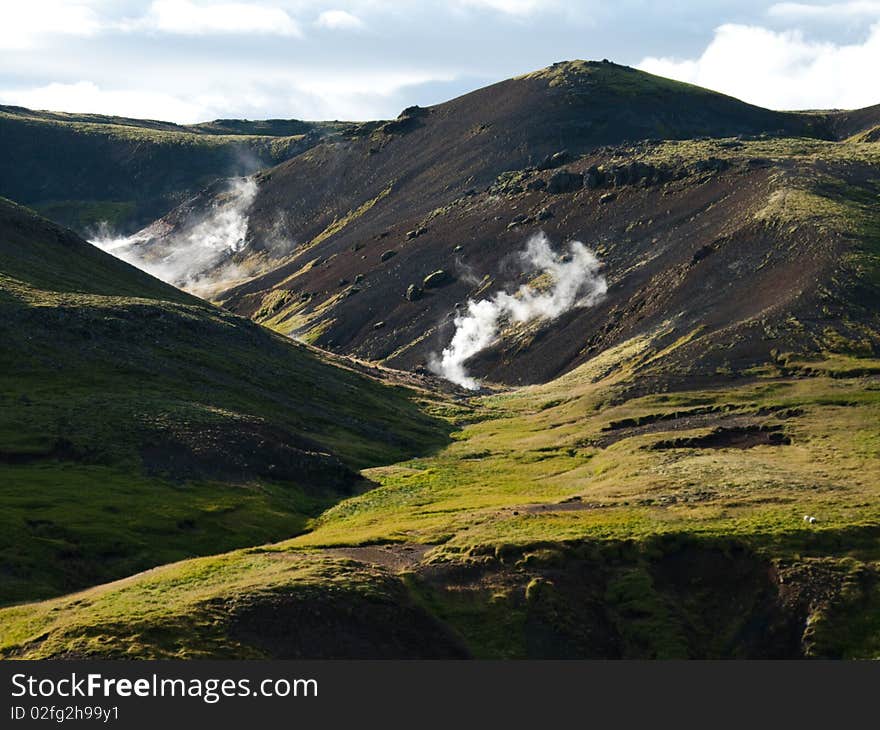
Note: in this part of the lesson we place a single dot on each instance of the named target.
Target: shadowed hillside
(140, 425)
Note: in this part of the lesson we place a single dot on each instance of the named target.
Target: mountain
(659, 310)
(731, 219)
(140, 425)
(381, 172)
(82, 170)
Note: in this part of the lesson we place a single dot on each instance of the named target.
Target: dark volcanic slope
(391, 174)
(724, 224)
(81, 169)
(139, 425)
(747, 255)
(726, 241)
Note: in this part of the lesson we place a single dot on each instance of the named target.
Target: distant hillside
(84, 169)
(139, 425)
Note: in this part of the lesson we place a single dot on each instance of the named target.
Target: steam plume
(197, 256)
(575, 282)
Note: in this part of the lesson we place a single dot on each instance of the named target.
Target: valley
(674, 453)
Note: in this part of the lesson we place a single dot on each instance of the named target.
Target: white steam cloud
(574, 281)
(197, 257)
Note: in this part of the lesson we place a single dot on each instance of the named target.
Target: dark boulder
(565, 182)
(594, 178)
(553, 161)
(436, 278)
(619, 175)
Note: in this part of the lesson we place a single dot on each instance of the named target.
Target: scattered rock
(436, 278)
(607, 197)
(378, 325)
(413, 293)
(358, 279)
(458, 248)
(416, 232)
(545, 214)
(387, 255)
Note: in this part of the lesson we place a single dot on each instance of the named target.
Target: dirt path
(397, 557)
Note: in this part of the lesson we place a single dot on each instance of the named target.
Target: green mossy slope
(139, 425)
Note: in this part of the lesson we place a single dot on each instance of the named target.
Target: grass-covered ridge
(140, 425)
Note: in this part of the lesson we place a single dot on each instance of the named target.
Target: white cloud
(188, 18)
(339, 20)
(781, 70)
(290, 92)
(832, 12)
(512, 7)
(25, 24)
(85, 96)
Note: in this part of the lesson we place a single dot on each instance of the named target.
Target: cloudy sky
(192, 60)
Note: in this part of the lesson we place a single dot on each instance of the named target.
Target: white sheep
(809, 519)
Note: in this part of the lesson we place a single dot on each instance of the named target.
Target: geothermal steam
(198, 256)
(575, 282)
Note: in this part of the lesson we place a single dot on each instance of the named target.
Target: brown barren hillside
(726, 221)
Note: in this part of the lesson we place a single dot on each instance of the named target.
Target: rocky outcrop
(565, 182)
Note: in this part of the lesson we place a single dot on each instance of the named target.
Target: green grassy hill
(140, 425)
(568, 519)
(84, 169)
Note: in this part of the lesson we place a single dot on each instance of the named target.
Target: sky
(195, 60)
